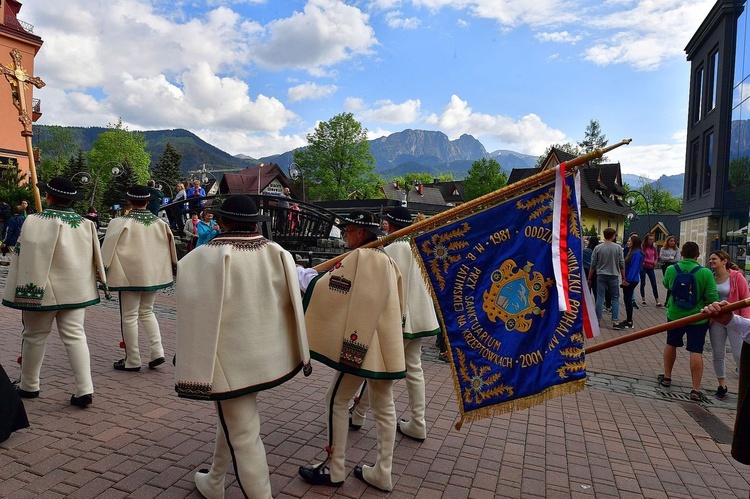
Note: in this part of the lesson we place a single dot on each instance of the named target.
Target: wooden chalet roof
(427, 194)
(452, 191)
(601, 185)
(246, 181)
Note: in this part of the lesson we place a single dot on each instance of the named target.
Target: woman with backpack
(633, 264)
(732, 286)
(650, 257)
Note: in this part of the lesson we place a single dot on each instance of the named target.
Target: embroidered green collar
(64, 213)
(142, 216)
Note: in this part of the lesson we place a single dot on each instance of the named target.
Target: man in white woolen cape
(240, 330)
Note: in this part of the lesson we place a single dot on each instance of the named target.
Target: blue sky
(254, 77)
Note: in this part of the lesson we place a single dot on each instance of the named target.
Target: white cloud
(462, 24)
(653, 160)
(558, 37)
(385, 111)
(255, 145)
(310, 91)
(647, 34)
(528, 134)
(327, 32)
(511, 13)
(396, 21)
(384, 4)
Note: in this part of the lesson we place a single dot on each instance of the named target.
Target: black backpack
(685, 288)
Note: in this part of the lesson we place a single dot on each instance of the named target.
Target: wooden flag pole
(478, 204)
(19, 80)
(668, 326)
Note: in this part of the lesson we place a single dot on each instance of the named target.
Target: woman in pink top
(732, 286)
(651, 256)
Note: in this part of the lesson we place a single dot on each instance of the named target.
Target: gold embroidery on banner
(483, 387)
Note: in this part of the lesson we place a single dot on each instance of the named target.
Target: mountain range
(408, 151)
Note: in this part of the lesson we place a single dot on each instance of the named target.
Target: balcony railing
(36, 106)
(13, 22)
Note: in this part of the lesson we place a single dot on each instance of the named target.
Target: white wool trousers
(238, 442)
(138, 306)
(36, 328)
(416, 426)
(342, 389)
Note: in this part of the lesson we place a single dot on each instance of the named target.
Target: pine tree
(167, 170)
(593, 139)
(76, 171)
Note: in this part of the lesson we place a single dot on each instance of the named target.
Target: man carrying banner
(240, 330)
(419, 321)
(139, 254)
(53, 278)
(353, 316)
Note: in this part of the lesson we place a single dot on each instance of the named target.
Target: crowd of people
(610, 267)
(314, 313)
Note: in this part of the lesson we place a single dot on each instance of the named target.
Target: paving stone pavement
(622, 436)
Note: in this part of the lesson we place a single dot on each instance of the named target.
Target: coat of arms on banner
(493, 280)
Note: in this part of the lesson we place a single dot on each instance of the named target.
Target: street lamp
(86, 177)
(160, 184)
(296, 173)
(630, 200)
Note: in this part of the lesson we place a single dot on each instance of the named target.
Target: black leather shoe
(157, 362)
(358, 474)
(353, 426)
(82, 401)
(398, 429)
(120, 366)
(26, 394)
(318, 476)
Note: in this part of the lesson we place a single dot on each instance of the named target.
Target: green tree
(593, 139)
(111, 149)
(484, 176)
(659, 200)
(739, 178)
(118, 185)
(445, 177)
(410, 180)
(566, 147)
(337, 163)
(56, 147)
(77, 171)
(167, 169)
(14, 188)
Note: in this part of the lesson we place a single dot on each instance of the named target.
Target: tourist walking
(608, 264)
(633, 265)
(650, 258)
(731, 285)
(703, 291)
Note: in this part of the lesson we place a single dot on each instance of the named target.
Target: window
(707, 163)
(713, 74)
(693, 169)
(697, 95)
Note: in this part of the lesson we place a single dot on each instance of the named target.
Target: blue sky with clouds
(254, 76)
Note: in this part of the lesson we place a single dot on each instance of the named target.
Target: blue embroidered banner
(492, 278)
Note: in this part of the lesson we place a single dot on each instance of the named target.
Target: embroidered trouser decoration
(238, 440)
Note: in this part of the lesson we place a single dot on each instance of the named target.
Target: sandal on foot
(664, 381)
(697, 396)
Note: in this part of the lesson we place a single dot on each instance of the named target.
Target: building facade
(716, 194)
(16, 34)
